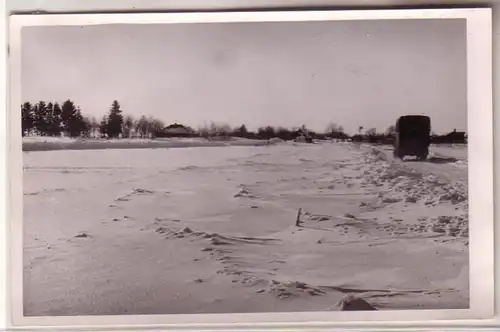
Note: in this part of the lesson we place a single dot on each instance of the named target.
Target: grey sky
(354, 73)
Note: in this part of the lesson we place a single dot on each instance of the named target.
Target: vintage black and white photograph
(246, 167)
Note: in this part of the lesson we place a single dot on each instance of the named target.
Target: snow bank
(409, 186)
(276, 140)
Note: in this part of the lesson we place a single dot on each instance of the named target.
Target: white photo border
(480, 171)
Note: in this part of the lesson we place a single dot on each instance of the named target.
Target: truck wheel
(422, 157)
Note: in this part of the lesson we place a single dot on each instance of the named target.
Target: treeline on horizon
(269, 132)
(54, 119)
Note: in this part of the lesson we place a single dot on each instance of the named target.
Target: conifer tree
(115, 120)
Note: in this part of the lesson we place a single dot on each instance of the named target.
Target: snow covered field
(212, 230)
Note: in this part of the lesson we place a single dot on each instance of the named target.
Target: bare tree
(86, 127)
(128, 126)
(332, 128)
(371, 131)
(103, 126)
(203, 131)
(224, 130)
(391, 130)
(155, 126)
(142, 127)
(215, 129)
(94, 125)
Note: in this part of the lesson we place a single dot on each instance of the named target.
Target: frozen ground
(212, 230)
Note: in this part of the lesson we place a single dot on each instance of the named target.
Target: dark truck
(412, 136)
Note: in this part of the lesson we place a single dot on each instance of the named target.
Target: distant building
(176, 130)
(454, 137)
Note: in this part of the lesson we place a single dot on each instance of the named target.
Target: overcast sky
(353, 73)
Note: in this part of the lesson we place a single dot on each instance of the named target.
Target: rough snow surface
(213, 230)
